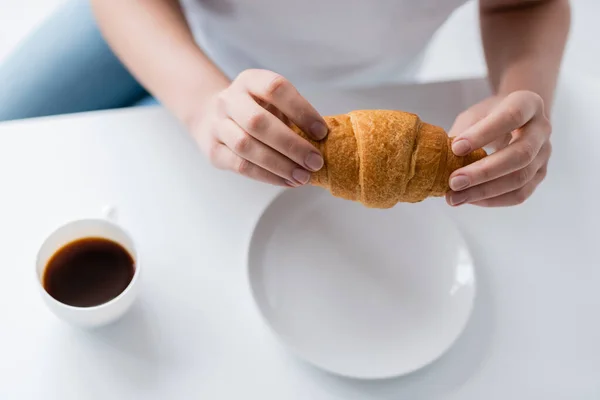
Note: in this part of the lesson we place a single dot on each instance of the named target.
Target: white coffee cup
(103, 227)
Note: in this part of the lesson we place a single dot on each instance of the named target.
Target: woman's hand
(244, 129)
(517, 130)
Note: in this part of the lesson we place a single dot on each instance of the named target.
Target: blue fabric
(65, 66)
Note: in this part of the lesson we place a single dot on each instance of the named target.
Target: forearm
(153, 40)
(524, 43)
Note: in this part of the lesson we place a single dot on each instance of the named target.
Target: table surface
(195, 332)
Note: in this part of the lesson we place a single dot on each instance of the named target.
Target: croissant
(383, 157)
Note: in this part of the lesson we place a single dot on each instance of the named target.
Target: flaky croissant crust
(383, 157)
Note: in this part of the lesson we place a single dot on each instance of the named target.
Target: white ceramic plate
(359, 292)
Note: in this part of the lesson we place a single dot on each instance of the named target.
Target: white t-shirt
(319, 43)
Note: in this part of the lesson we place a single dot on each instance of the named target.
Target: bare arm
(524, 41)
(229, 120)
(152, 38)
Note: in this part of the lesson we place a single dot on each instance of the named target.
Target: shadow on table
(137, 352)
(122, 355)
(446, 375)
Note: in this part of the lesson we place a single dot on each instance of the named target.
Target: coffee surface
(88, 272)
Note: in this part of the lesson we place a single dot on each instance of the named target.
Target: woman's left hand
(516, 128)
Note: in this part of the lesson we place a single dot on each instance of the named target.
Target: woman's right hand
(244, 129)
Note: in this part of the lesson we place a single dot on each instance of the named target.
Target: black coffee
(88, 272)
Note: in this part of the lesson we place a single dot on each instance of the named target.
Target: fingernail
(318, 130)
(291, 184)
(461, 147)
(300, 175)
(458, 198)
(459, 182)
(314, 161)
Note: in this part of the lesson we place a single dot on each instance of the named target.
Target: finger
(259, 154)
(512, 113)
(223, 158)
(513, 157)
(515, 197)
(497, 187)
(266, 128)
(462, 123)
(273, 110)
(472, 115)
(504, 184)
(278, 91)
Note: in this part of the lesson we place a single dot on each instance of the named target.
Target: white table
(195, 333)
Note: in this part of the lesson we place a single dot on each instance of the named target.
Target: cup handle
(109, 212)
